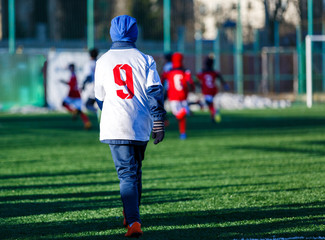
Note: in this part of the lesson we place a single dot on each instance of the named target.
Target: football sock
(84, 117)
(181, 114)
(182, 125)
(212, 110)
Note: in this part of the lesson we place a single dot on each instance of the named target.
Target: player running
(209, 87)
(73, 101)
(179, 82)
(88, 84)
(130, 94)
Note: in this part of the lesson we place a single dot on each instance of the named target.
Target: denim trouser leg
(128, 163)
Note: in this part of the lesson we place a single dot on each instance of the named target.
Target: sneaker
(87, 125)
(217, 118)
(182, 136)
(134, 231)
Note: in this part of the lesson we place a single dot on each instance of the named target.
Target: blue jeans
(128, 162)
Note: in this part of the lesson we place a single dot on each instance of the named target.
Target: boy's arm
(189, 80)
(155, 93)
(99, 89)
(224, 84)
(157, 111)
(87, 80)
(197, 80)
(64, 82)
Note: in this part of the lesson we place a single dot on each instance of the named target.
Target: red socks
(212, 110)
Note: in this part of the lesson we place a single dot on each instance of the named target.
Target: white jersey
(90, 71)
(122, 78)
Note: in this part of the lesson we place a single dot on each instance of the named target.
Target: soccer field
(259, 174)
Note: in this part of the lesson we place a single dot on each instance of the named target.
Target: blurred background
(259, 45)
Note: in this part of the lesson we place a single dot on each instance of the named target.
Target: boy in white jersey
(129, 93)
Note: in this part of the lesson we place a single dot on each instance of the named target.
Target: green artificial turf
(258, 174)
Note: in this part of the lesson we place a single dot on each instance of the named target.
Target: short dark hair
(71, 66)
(209, 62)
(168, 56)
(93, 53)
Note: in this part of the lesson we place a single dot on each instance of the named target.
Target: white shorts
(75, 102)
(176, 106)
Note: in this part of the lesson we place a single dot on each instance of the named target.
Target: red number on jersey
(128, 82)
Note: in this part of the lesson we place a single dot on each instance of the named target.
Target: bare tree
(274, 12)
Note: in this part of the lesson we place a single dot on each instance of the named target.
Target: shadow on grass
(214, 224)
(36, 204)
(45, 174)
(198, 122)
(282, 149)
(320, 142)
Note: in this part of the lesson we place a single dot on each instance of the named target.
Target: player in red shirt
(73, 101)
(179, 82)
(209, 87)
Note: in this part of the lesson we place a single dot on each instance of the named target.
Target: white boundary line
(290, 238)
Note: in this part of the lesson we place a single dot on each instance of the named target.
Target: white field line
(290, 238)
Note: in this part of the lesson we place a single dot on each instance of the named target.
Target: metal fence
(21, 80)
(41, 25)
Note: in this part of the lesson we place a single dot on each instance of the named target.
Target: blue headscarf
(124, 28)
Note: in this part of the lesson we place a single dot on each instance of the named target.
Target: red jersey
(73, 84)
(178, 82)
(208, 82)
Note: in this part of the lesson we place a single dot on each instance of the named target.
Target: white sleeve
(99, 88)
(153, 76)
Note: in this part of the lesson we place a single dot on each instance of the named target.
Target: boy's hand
(158, 131)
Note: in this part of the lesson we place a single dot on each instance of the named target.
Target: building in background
(255, 14)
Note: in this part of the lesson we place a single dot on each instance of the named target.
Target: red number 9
(128, 81)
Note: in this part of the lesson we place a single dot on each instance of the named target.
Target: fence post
(181, 39)
(216, 50)
(256, 63)
(167, 47)
(12, 30)
(239, 52)
(310, 17)
(90, 24)
(323, 55)
(277, 57)
(198, 51)
(309, 55)
(309, 73)
(300, 60)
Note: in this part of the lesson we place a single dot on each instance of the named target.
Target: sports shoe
(182, 136)
(217, 118)
(87, 125)
(134, 231)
